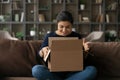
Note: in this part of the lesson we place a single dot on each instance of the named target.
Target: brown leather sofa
(18, 57)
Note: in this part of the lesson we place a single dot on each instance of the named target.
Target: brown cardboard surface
(66, 55)
(60, 38)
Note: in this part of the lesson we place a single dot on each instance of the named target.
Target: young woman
(64, 29)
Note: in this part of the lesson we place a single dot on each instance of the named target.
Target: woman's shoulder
(51, 34)
(76, 34)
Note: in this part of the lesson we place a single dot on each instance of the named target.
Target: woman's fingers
(86, 45)
(45, 51)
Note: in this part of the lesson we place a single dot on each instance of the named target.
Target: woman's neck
(58, 33)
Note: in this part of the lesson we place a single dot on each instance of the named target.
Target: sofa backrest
(106, 58)
(18, 57)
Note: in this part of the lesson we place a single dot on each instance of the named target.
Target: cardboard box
(66, 55)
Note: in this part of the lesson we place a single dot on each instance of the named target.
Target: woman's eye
(67, 27)
(61, 26)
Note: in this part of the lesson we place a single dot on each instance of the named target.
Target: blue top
(53, 34)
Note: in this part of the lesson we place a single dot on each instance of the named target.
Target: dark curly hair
(65, 16)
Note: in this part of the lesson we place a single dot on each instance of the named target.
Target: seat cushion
(108, 78)
(18, 78)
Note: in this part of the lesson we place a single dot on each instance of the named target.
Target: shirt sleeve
(45, 42)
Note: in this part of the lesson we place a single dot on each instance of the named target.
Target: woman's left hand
(86, 45)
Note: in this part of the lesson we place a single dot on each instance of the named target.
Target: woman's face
(64, 28)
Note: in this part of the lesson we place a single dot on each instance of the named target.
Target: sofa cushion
(106, 58)
(17, 57)
(18, 78)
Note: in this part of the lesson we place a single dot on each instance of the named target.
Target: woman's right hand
(44, 51)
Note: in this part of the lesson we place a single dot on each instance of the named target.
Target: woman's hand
(44, 51)
(86, 45)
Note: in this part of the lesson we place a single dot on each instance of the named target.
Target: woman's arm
(44, 47)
